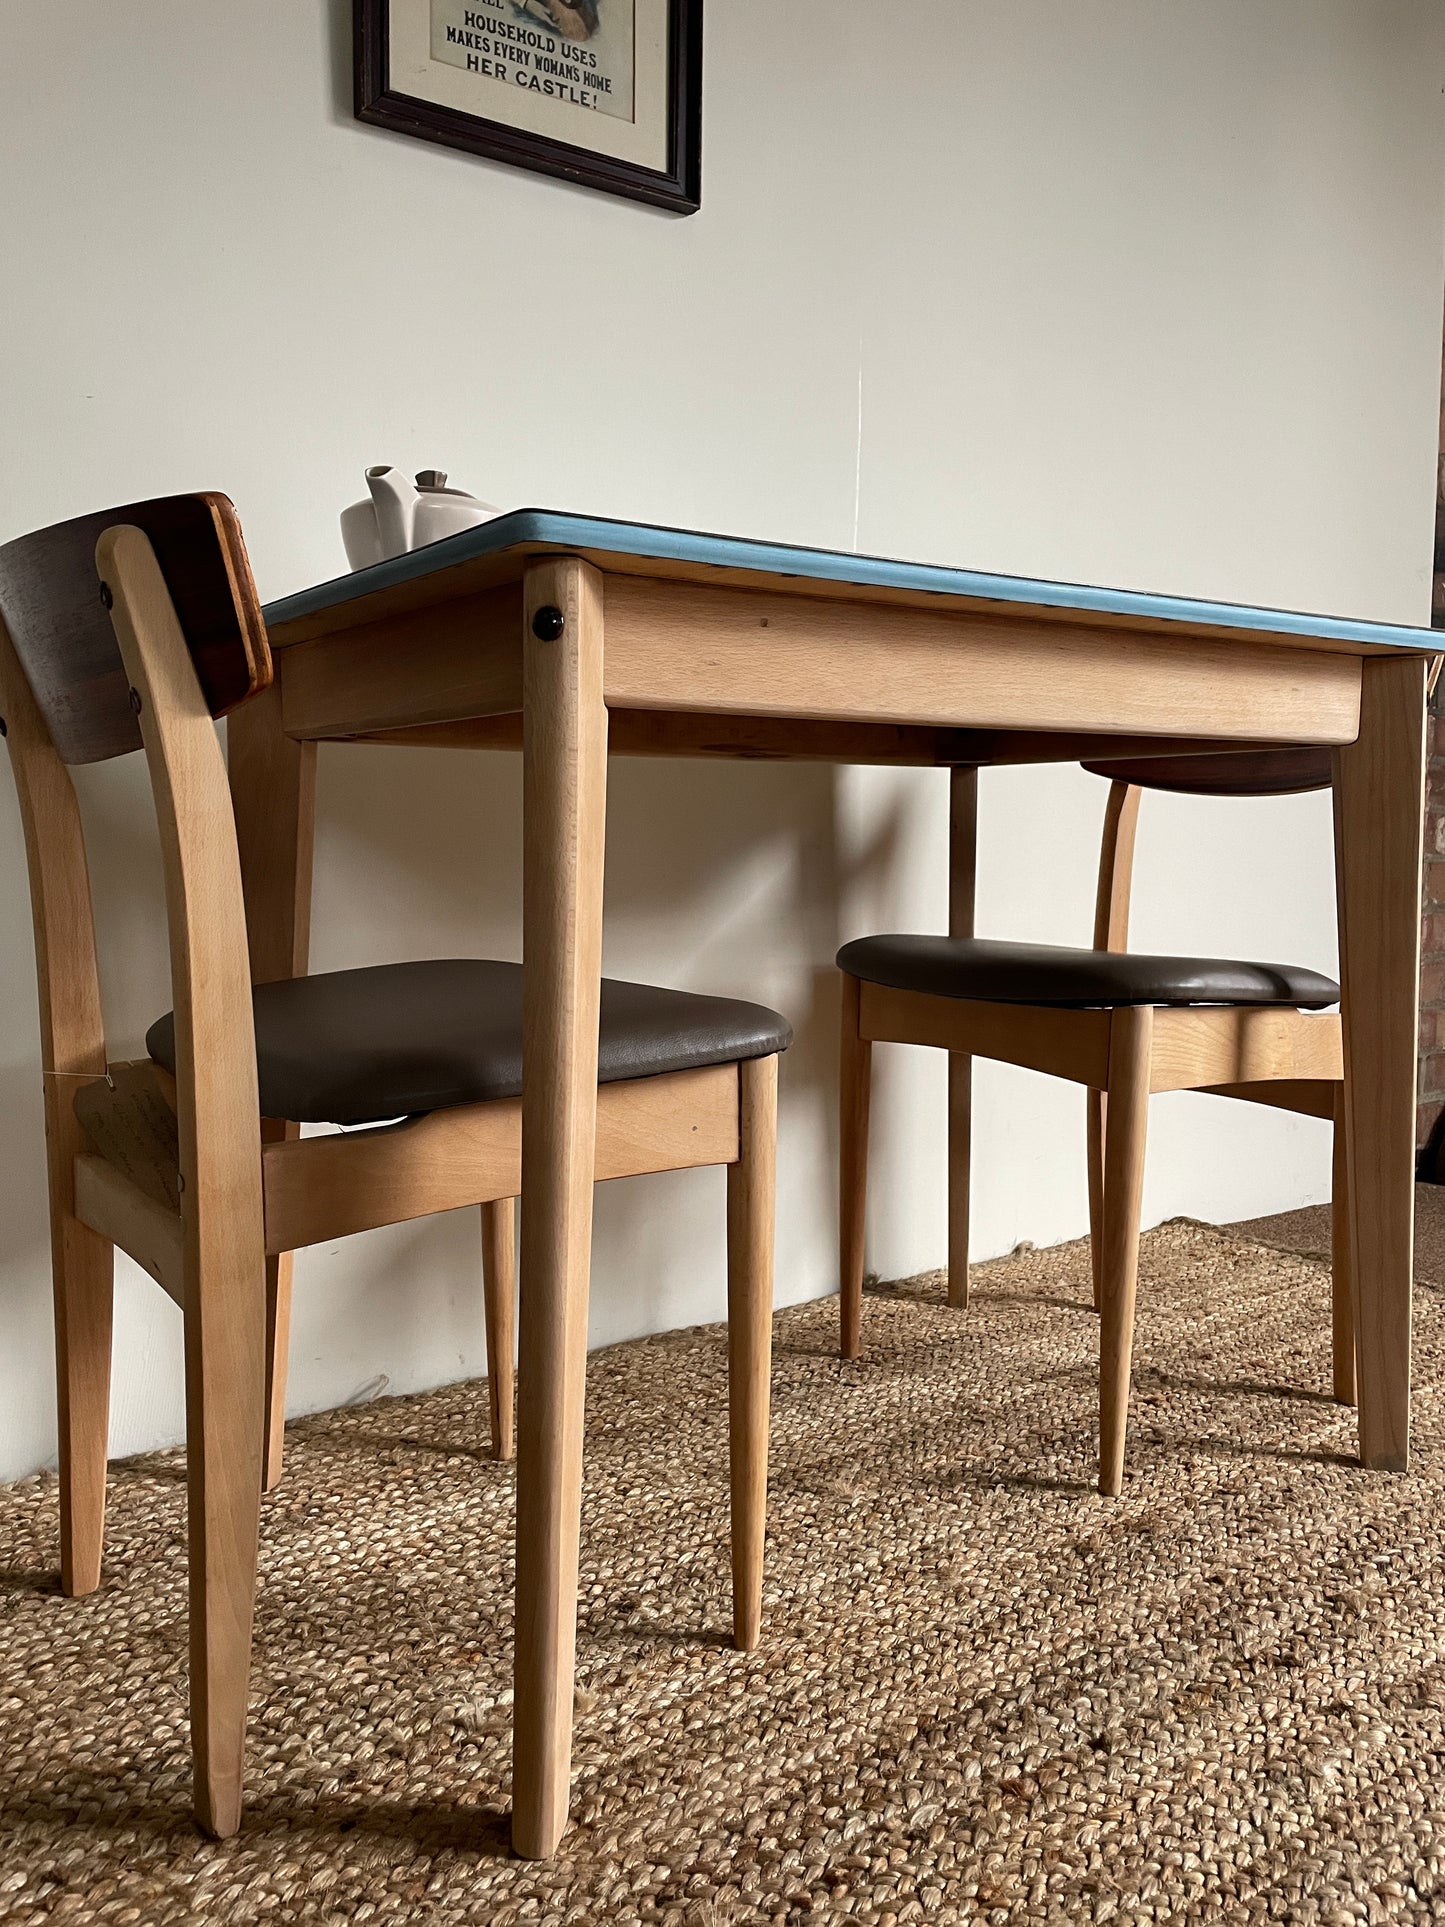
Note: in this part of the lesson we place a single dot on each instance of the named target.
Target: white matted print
(603, 93)
(580, 52)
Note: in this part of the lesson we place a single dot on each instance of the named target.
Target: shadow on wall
(24, 1226)
(339, 17)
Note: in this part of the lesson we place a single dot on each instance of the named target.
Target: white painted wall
(1146, 293)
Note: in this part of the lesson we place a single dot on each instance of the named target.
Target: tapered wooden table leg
(1379, 817)
(855, 1081)
(962, 876)
(564, 793)
(1342, 1284)
(273, 796)
(960, 1159)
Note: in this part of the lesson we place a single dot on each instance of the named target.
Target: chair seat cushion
(357, 1046)
(985, 971)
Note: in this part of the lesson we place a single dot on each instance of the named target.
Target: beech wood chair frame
(210, 1199)
(1265, 1054)
(1311, 1098)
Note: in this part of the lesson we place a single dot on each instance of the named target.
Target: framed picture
(605, 92)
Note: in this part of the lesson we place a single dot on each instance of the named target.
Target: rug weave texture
(984, 1693)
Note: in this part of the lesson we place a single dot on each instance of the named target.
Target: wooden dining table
(572, 638)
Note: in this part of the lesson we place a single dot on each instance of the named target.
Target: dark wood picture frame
(678, 186)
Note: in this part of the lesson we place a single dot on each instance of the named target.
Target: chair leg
(278, 1351)
(83, 1267)
(855, 1071)
(225, 1366)
(962, 893)
(1097, 1114)
(1130, 1038)
(960, 1145)
(499, 1285)
(1342, 1288)
(278, 1270)
(752, 1190)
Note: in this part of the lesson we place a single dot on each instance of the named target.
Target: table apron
(429, 665)
(684, 646)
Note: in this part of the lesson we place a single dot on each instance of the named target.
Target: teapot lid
(434, 482)
(436, 478)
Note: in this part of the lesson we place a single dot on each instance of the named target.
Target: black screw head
(106, 598)
(548, 623)
(135, 702)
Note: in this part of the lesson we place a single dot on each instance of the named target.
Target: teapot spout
(395, 500)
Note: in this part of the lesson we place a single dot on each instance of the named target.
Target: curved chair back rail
(1253, 772)
(50, 600)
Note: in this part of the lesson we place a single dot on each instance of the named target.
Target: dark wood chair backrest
(50, 599)
(1251, 772)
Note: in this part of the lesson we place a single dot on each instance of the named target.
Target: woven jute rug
(984, 1694)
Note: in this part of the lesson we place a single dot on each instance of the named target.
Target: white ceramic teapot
(399, 516)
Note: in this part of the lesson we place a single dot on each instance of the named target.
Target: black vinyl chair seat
(394, 1040)
(981, 970)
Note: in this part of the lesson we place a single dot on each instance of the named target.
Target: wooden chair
(1282, 772)
(168, 1159)
(1123, 1024)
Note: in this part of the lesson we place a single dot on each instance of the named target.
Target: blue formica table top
(522, 533)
